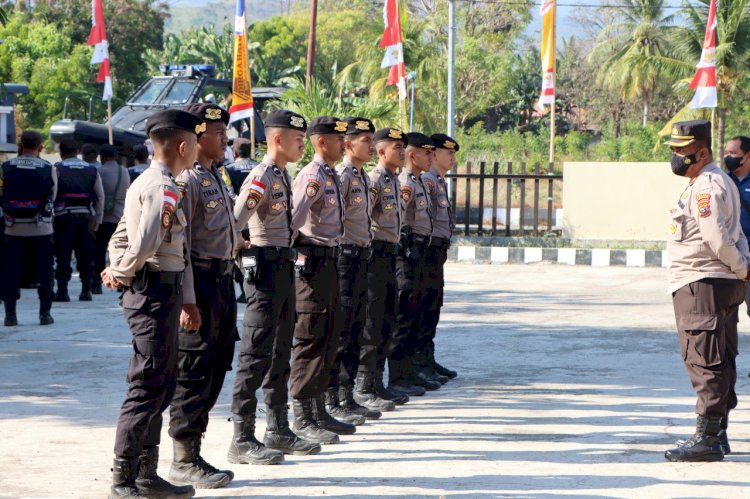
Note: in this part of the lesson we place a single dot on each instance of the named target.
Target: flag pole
(252, 135)
(109, 121)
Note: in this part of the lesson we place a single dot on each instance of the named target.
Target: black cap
(208, 112)
(443, 141)
(390, 135)
(327, 125)
(285, 119)
(357, 125)
(685, 133)
(420, 141)
(174, 119)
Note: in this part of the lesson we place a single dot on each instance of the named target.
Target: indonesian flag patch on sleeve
(168, 208)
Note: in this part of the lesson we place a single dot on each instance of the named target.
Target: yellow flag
(242, 92)
(548, 12)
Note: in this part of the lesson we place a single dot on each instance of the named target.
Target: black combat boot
(334, 408)
(365, 394)
(444, 371)
(410, 371)
(399, 380)
(45, 318)
(189, 467)
(85, 295)
(327, 422)
(723, 438)
(346, 399)
(10, 313)
(124, 472)
(422, 363)
(307, 427)
(152, 485)
(61, 294)
(280, 437)
(704, 445)
(96, 287)
(245, 448)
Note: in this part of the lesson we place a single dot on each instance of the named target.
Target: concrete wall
(619, 201)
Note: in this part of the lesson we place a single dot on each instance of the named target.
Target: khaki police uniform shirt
(318, 211)
(32, 229)
(110, 172)
(355, 189)
(442, 221)
(705, 239)
(152, 229)
(386, 205)
(210, 231)
(264, 205)
(417, 214)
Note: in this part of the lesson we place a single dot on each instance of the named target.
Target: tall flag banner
(704, 81)
(547, 11)
(242, 91)
(98, 38)
(392, 42)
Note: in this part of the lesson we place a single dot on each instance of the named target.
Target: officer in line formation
(317, 319)
(708, 269)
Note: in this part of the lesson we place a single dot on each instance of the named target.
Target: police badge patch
(313, 186)
(406, 193)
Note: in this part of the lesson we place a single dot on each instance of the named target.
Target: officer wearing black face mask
(737, 161)
(708, 264)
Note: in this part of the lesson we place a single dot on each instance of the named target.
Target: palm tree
(639, 33)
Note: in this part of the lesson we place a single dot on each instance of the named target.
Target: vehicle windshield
(180, 92)
(150, 93)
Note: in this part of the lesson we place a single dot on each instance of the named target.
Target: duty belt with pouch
(440, 242)
(352, 251)
(384, 248)
(415, 245)
(311, 259)
(250, 259)
(146, 278)
(214, 265)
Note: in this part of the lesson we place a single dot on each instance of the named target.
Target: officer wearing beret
(354, 254)
(708, 264)
(318, 213)
(206, 349)
(407, 365)
(442, 230)
(264, 208)
(79, 210)
(390, 145)
(149, 259)
(28, 186)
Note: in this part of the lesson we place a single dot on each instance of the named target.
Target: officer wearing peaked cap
(264, 208)
(149, 260)
(318, 214)
(709, 262)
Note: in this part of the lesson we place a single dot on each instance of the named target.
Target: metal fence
(468, 192)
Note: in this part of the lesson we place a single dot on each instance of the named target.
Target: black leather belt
(319, 251)
(173, 278)
(384, 248)
(351, 251)
(440, 242)
(272, 253)
(214, 265)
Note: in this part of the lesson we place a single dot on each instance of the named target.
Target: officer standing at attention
(79, 210)
(205, 353)
(264, 207)
(442, 230)
(115, 183)
(354, 254)
(370, 392)
(405, 365)
(709, 262)
(149, 259)
(318, 212)
(28, 185)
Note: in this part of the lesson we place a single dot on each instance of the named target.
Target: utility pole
(451, 128)
(311, 43)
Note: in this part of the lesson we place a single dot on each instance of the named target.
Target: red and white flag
(704, 81)
(98, 38)
(392, 42)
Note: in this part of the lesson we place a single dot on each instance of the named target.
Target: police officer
(318, 213)
(390, 144)
(115, 183)
(354, 254)
(149, 259)
(737, 161)
(140, 152)
(442, 230)
(243, 163)
(709, 262)
(264, 206)
(89, 153)
(28, 185)
(205, 354)
(406, 365)
(79, 210)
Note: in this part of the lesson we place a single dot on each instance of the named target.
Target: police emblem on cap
(200, 128)
(675, 130)
(395, 134)
(213, 114)
(362, 125)
(341, 126)
(449, 145)
(297, 122)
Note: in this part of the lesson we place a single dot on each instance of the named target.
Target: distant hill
(186, 13)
